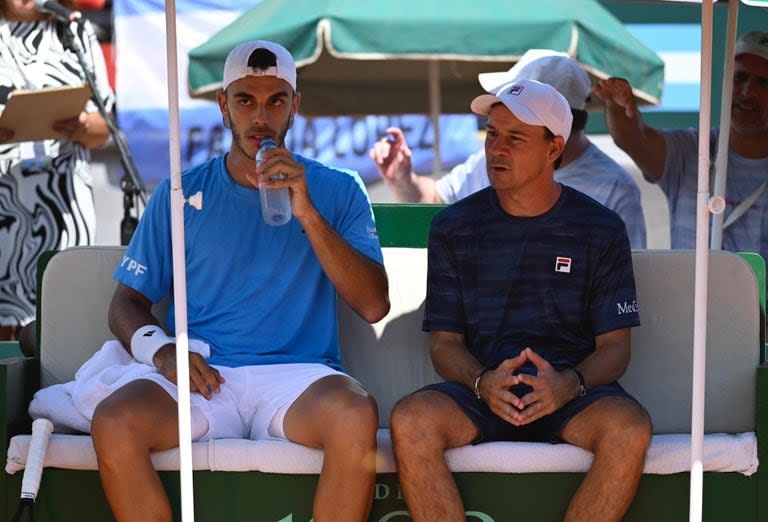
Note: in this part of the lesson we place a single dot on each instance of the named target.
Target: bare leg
(127, 426)
(618, 432)
(28, 339)
(9, 333)
(337, 415)
(424, 425)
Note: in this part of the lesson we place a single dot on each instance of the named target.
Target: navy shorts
(546, 429)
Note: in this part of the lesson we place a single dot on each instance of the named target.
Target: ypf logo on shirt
(563, 264)
(131, 265)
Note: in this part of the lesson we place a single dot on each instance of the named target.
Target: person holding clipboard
(46, 198)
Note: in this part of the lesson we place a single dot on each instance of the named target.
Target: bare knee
(629, 430)
(359, 412)
(353, 419)
(414, 423)
(110, 430)
(112, 419)
(138, 417)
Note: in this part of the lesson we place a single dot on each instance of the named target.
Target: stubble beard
(238, 139)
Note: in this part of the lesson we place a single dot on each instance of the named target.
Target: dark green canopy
(373, 57)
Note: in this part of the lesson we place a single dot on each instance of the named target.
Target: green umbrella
(423, 56)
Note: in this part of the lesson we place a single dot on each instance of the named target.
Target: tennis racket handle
(33, 471)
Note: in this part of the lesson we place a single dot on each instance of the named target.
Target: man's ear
(556, 148)
(295, 102)
(221, 100)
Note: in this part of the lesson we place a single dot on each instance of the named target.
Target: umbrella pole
(179, 272)
(434, 113)
(721, 160)
(702, 269)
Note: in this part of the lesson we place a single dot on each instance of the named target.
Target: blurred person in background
(583, 165)
(669, 157)
(46, 198)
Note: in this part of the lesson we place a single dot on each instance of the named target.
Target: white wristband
(146, 341)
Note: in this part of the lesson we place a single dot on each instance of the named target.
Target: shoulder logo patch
(628, 307)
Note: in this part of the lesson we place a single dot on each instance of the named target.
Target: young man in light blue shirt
(263, 300)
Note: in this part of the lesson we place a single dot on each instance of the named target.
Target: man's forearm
(361, 282)
(607, 363)
(126, 315)
(415, 189)
(642, 143)
(453, 361)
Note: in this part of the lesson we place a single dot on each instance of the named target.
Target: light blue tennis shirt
(256, 293)
(594, 173)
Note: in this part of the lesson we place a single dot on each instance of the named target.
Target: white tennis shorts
(251, 403)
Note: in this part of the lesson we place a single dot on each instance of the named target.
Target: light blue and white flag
(679, 45)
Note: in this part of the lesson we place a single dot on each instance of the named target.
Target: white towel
(70, 406)
(668, 454)
(55, 404)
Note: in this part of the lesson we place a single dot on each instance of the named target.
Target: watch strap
(582, 383)
(477, 383)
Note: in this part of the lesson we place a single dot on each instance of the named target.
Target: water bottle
(275, 203)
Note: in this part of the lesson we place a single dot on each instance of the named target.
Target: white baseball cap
(551, 67)
(236, 66)
(753, 42)
(532, 102)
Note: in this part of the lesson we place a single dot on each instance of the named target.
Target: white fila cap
(532, 102)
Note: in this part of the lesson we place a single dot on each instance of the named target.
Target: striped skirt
(40, 210)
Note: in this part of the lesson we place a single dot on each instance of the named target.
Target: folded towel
(55, 404)
(70, 406)
(668, 454)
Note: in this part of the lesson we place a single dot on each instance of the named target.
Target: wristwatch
(582, 387)
(477, 383)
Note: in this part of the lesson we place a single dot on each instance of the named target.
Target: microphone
(60, 12)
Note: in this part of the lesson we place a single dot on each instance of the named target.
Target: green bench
(247, 480)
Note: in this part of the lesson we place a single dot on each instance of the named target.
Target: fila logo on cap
(515, 90)
(563, 264)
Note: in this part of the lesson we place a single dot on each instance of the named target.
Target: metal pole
(721, 160)
(434, 112)
(702, 269)
(179, 271)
